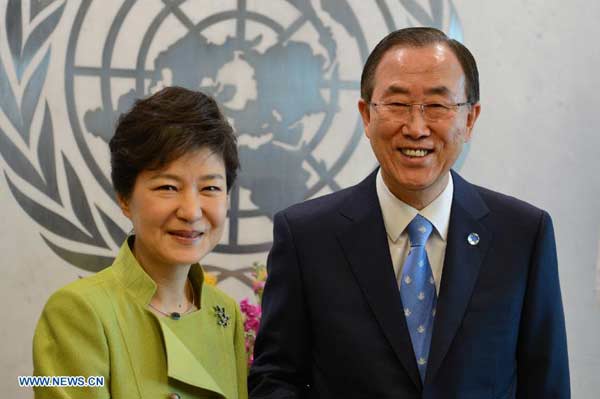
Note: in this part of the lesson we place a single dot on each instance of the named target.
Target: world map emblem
(286, 73)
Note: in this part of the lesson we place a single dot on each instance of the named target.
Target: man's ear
(472, 116)
(124, 205)
(365, 114)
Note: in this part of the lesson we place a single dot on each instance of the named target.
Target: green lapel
(184, 366)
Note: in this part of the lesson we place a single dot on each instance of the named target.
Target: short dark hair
(420, 37)
(165, 126)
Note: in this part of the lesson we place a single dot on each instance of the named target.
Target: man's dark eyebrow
(440, 90)
(393, 89)
(437, 90)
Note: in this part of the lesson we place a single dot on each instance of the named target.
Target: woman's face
(178, 212)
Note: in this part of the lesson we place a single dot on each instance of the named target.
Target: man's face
(424, 75)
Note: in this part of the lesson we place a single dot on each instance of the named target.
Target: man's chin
(417, 184)
(414, 182)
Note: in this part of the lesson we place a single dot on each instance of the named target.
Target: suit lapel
(461, 269)
(365, 244)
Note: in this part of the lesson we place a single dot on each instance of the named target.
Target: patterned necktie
(417, 291)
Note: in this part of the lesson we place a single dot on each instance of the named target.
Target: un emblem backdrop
(285, 72)
(287, 75)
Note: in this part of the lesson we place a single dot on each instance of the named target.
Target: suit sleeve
(69, 341)
(542, 361)
(282, 353)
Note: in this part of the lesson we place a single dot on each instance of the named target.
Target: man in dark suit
(413, 283)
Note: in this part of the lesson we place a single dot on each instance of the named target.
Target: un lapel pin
(473, 239)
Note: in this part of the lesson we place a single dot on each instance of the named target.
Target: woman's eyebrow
(171, 176)
(212, 176)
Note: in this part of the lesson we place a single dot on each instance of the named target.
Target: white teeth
(188, 235)
(414, 153)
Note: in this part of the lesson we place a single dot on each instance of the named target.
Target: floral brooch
(222, 317)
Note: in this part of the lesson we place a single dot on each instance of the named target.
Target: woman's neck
(174, 292)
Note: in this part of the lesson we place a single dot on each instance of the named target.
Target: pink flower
(244, 305)
(258, 286)
(252, 325)
(252, 315)
(249, 310)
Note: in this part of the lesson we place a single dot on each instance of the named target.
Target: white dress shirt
(397, 215)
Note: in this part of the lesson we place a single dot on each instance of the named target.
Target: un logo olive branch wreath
(30, 154)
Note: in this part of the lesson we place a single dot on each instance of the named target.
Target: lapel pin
(473, 238)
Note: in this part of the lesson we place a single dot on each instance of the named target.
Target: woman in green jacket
(147, 325)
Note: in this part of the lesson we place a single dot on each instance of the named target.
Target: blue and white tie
(417, 291)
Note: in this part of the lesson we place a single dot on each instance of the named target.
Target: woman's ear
(124, 205)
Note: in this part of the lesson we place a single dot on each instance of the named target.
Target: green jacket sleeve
(240, 355)
(70, 341)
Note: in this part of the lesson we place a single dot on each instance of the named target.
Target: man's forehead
(420, 59)
(435, 68)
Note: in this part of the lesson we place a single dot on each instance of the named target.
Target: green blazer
(101, 326)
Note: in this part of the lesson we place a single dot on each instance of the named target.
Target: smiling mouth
(190, 234)
(415, 152)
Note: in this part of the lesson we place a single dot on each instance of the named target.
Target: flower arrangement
(250, 313)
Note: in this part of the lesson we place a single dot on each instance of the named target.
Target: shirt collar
(397, 214)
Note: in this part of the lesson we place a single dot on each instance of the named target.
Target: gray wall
(536, 139)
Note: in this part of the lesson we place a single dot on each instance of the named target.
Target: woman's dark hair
(165, 126)
(417, 38)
